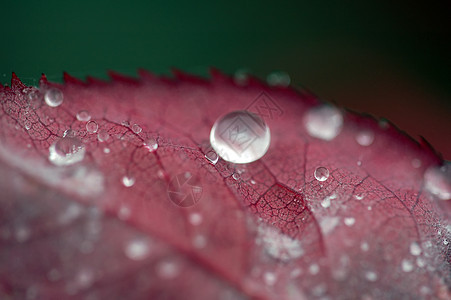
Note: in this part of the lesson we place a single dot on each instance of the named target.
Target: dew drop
(27, 125)
(199, 241)
(437, 181)
(137, 249)
(212, 157)
(151, 145)
(240, 137)
(137, 129)
(407, 265)
(253, 181)
(359, 196)
(53, 97)
(106, 150)
(371, 276)
(125, 123)
(103, 135)
(416, 163)
(281, 79)
(195, 219)
(364, 246)
(415, 249)
(83, 116)
(66, 151)
(323, 122)
(349, 221)
(269, 278)
(69, 133)
(241, 77)
(326, 201)
(321, 174)
(365, 138)
(168, 270)
(128, 181)
(124, 212)
(92, 127)
(314, 269)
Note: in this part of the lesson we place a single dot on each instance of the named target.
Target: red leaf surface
(105, 228)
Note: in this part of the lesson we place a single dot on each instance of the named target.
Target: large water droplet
(83, 116)
(240, 137)
(278, 79)
(323, 122)
(53, 97)
(365, 138)
(92, 127)
(137, 249)
(321, 174)
(151, 145)
(437, 180)
(128, 181)
(66, 151)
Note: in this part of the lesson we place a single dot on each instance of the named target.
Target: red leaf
(104, 227)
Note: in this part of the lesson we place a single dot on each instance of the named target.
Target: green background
(385, 57)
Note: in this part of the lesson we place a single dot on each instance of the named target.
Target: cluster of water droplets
(437, 181)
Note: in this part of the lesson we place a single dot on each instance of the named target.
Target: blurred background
(389, 58)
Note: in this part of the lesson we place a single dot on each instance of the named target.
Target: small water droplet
(240, 137)
(236, 176)
(416, 163)
(83, 116)
(281, 79)
(371, 276)
(326, 201)
(349, 221)
(103, 135)
(437, 181)
(92, 127)
(359, 196)
(364, 246)
(323, 122)
(168, 270)
(269, 278)
(53, 97)
(69, 133)
(365, 138)
(106, 150)
(125, 123)
(137, 249)
(212, 157)
(415, 249)
(137, 129)
(151, 145)
(420, 262)
(253, 181)
(27, 124)
(195, 219)
(359, 163)
(128, 181)
(241, 77)
(199, 241)
(66, 151)
(407, 265)
(313, 269)
(445, 242)
(321, 174)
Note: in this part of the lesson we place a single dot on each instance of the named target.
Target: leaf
(114, 222)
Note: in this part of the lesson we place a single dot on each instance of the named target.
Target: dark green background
(364, 54)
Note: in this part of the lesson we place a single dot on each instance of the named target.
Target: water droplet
(359, 163)
(128, 181)
(199, 241)
(241, 77)
(236, 176)
(27, 124)
(66, 151)
(106, 150)
(168, 270)
(124, 212)
(349, 221)
(278, 79)
(437, 181)
(326, 201)
(321, 174)
(278, 245)
(212, 157)
(371, 276)
(313, 269)
(324, 122)
(83, 116)
(151, 145)
(445, 242)
(92, 127)
(416, 163)
(240, 137)
(359, 196)
(253, 181)
(69, 133)
(72, 212)
(415, 249)
(364, 246)
(407, 265)
(53, 97)
(125, 123)
(103, 135)
(136, 128)
(269, 278)
(195, 219)
(137, 249)
(420, 262)
(365, 138)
